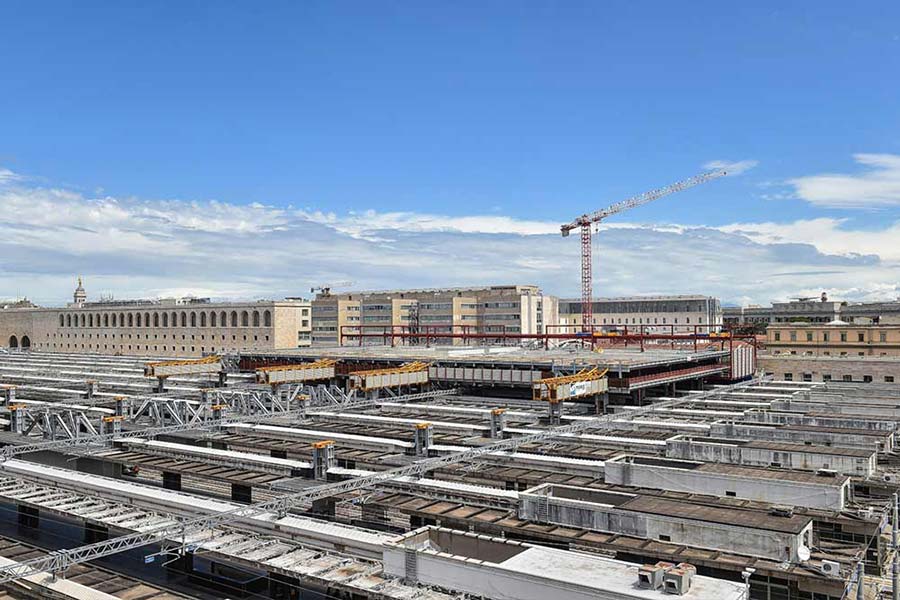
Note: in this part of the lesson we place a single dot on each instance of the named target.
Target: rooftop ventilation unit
(678, 580)
(826, 473)
(651, 577)
(782, 511)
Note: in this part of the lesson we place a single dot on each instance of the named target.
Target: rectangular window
(807, 377)
(826, 377)
(777, 336)
(848, 378)
(825, 337)
(889, 379)
(809, 336)
(788, 376)
(861, 337)
(867, 379)
(843, 336)
(793, 336)
(882, 337)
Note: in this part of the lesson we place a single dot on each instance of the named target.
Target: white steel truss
(210, 421)
(59, 561)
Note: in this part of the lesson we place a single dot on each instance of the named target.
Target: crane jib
(586, 220)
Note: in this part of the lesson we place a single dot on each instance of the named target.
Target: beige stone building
(834, 339)
(493, 309)
(835, 351)
(651, 314)
(164, 327)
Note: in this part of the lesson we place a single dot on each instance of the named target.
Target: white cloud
(139, 248)
(7, 176)
(373, 225)
(732, 167)
(877, 186)
(827, 235)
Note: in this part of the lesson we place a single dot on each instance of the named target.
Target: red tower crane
(586, 222)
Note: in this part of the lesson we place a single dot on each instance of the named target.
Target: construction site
(408, 463)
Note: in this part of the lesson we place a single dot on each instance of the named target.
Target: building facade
(754, 316)
(824, 368)
(164, 327)
(811, 310)
(494, 309)
(651, 314)
(836, 351)
(835, 339)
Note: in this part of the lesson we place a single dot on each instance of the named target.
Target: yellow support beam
(412, 367)
(551, 383)
(206, 360)
(322, 362)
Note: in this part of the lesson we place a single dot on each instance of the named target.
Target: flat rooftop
(738, 470)
(613, 358)
(784, 446)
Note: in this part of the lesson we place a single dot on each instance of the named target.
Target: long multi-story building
(836, 351)
(159, 327)
(837, 338)
(812, 310)
(808, 310)
(337, 318)
(650, 314)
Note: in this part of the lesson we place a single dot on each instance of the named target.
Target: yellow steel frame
(413, 367)
(553, 382)
(322, 362)
(206, 360)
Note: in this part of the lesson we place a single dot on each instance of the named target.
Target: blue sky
(508, 118)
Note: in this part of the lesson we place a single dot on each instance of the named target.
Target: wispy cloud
(877, 186)
(732, 167)
(7, 176)
(135, 247)
(373, 225)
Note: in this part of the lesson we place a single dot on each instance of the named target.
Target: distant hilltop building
(22, 303)
(813, 310)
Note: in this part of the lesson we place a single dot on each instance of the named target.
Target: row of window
(166, 319)
(634, 307)
(824, 353)
(827, 377)
(826, 337)
(137, 336)
(640, 321)
(123, 347)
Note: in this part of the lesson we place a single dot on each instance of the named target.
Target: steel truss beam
(59, 561)
(326, 402)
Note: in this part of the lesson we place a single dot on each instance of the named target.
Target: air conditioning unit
(782, 511)
(829, 567)
(677, 581)
(651, 576)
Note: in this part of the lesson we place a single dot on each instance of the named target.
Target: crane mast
(586, 222)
